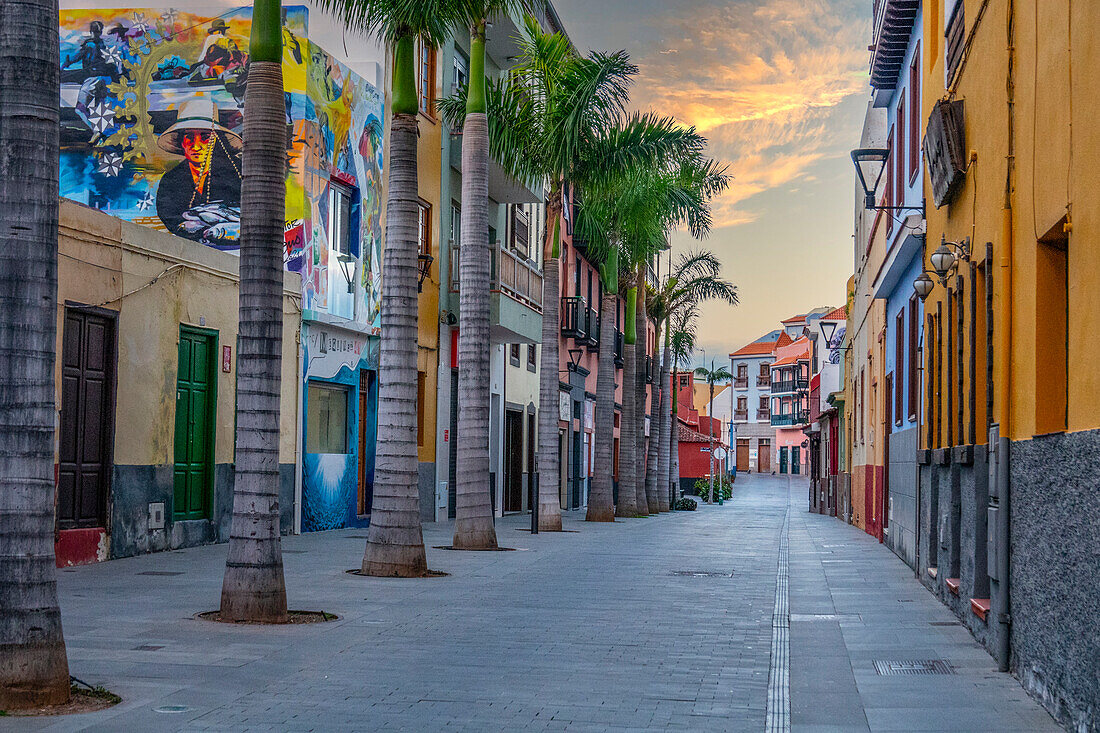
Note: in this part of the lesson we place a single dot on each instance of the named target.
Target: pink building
(790, 395)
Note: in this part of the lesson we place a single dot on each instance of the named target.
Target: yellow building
(1011, 142)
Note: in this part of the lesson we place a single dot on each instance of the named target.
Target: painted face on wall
(196, 145)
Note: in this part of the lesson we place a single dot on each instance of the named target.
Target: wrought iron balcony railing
(791, 419)
(592, 337)
(763, 415)
(740, 415)
(574, 318)
(762, 381)
(790, 385)
(618, 348)
(740, 382)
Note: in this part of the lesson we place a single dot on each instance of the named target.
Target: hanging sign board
(945, 150)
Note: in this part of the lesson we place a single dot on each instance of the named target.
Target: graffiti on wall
(152, 104)
(836, 344)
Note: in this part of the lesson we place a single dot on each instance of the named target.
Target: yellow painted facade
(156, 282)
(1029, 195)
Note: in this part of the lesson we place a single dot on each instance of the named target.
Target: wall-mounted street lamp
(575, 358)
(944, 262)
(423, 266)
(870, 164)
(347, 267)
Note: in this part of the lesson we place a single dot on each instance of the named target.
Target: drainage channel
(779, 672)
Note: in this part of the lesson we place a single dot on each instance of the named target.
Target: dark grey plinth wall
(425, 475)
(927, 542)
(134, 488)
(901, 534)
(973, 472)
(1055, 573)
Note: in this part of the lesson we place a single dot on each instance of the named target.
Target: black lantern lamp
(944, 261)
(870, 164)
(423, 266)
(575, 358)
(347, 267)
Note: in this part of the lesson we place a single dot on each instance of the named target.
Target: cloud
(763, 79)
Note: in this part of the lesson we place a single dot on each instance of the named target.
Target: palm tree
(474, 528)
(34, 668)
(681, 344)
(712, 376)
(625, 220)
(560, 118)
(253, 588)
(395, 540)
(694, 278)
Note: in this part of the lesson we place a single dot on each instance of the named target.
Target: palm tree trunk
(395, 541)
(710, 441)
(674, 436)
(664, 420)
(474, 528)
(34, 669)
(640, 349)
(549, 469)
(601, 505)
(627, 505)
(253, 588)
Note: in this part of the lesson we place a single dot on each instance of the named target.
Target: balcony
(515, 294)
(740, 415)
(763, 381)
(515, 277)
(790, 385)
(574, 318)
(618, 348)
(793, 419)
(592, 330)
(740, 382)
(762, 415)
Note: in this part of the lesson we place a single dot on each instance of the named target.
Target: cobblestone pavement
(658, 623)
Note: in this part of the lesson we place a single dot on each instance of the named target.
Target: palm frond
(390, 20)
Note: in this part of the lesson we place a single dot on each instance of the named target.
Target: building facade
(752, 435)
(1009, 443)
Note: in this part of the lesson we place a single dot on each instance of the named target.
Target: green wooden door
(796, 460)
(196, 398)
(783, 459)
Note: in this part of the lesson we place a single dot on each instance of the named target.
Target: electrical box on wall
(156, 515)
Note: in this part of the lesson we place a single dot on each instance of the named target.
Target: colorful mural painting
(340, 365)
(152, 106)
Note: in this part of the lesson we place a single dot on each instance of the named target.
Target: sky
(779, 88)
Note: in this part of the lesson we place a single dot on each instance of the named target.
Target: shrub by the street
(685, 504)
(702, 488)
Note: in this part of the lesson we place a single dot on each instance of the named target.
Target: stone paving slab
(576, 631)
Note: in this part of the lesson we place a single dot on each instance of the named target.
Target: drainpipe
(298, 420)
(1004, 348)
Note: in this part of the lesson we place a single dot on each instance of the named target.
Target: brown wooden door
(367, 424)
(87, 419)
(513, 461)
(742, 454)
(764, 456)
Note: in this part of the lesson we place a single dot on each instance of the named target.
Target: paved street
(593, 630)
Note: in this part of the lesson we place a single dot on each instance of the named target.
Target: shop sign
(945, 150)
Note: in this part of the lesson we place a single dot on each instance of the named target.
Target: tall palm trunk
(395, 541)
(33, 666)
(664, 425)
(627, 506)
(710, 440)
(601, 504)
(253, 588)
(641, 349)
(549, 468)
(474, 528)
(674, 436)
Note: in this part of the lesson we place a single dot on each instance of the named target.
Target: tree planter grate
(701, 574)
(160, 572)
(911, 667)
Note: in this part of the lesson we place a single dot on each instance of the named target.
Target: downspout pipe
(1004, 349)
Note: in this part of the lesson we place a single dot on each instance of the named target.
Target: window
(532, 356)
(461, 73)
(577, 276)
(914, 356)
(742, 404)
(914, 114)
(899, 151)
(424, 227)
(339, 230)
(456, 234)
(742, 371)
(425, 87)
(1052, 300)
(764, 403)
(899, 365)
(327, 419)
(862, 403)
(421, 390)
(766, 370)
(888, 187)
(521, 232)
(513, 354)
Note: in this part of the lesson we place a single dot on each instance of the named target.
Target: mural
(330, 480)
(152, 106)
(836, 344)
